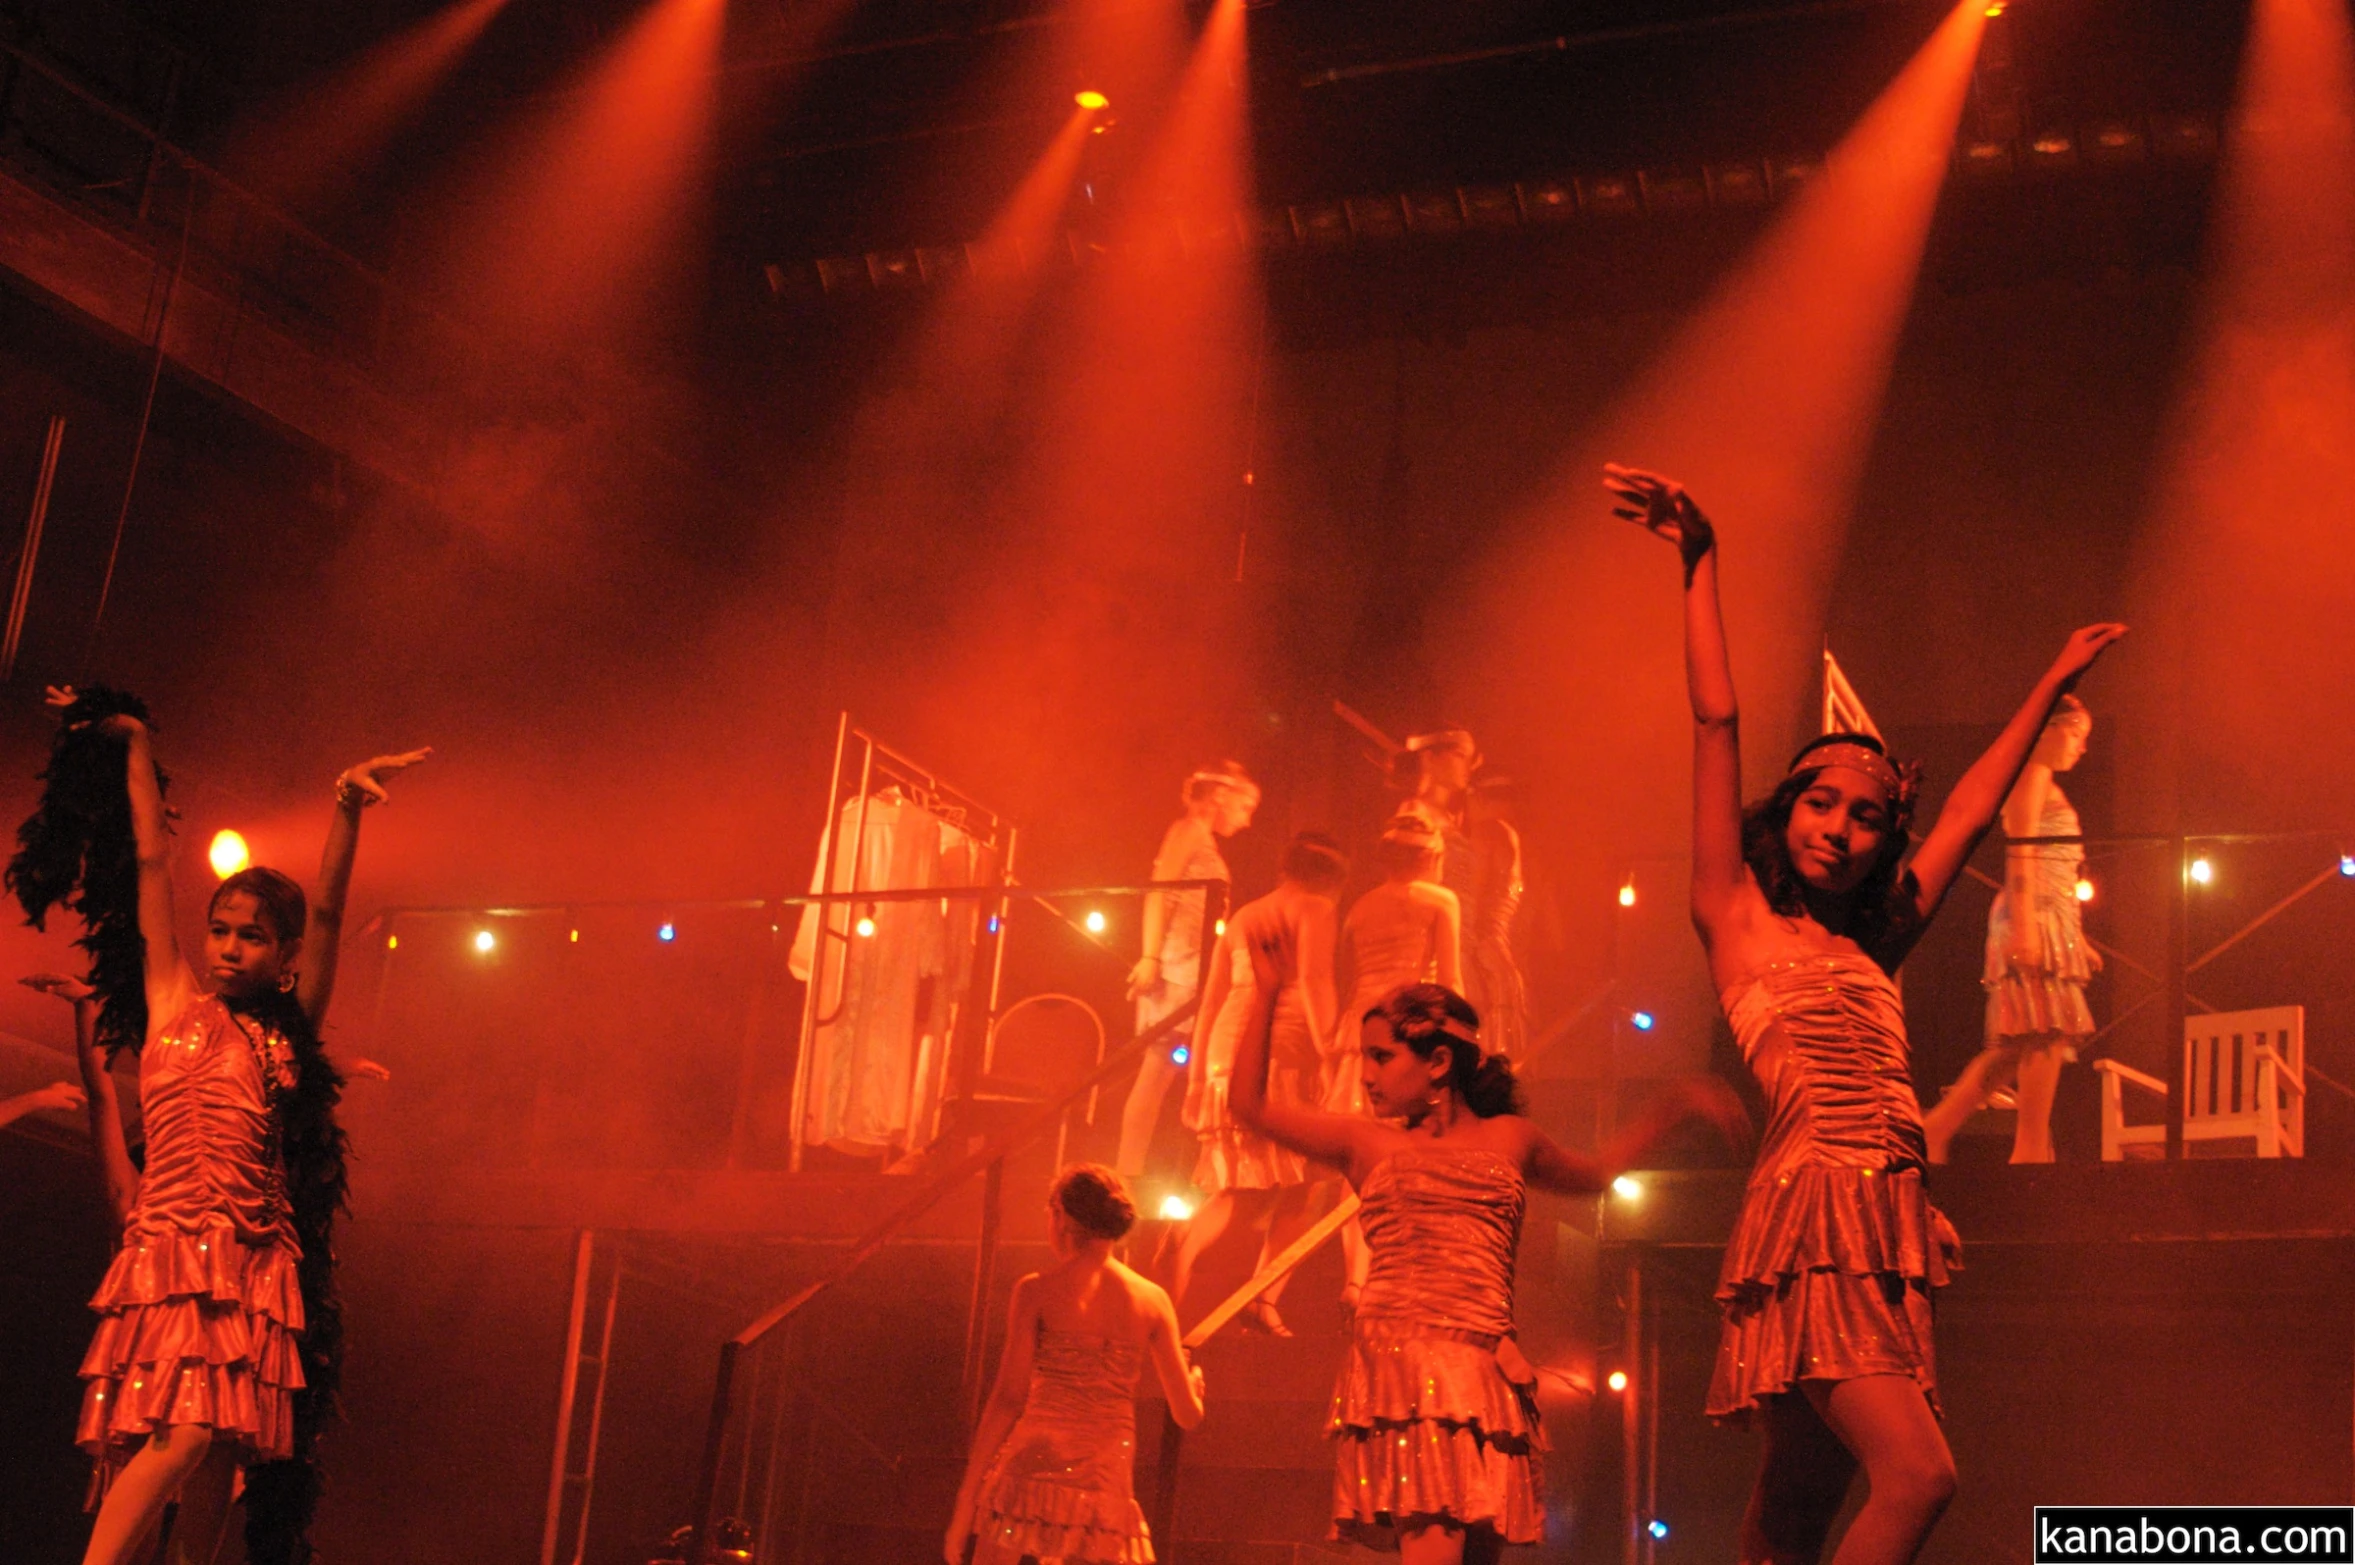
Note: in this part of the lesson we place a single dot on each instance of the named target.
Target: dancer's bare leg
(1886, 1421)
(2040, 1081)
(1989, 1072)
(136, 1499)
(1801, 1485)
(1140, 1116)
(1291, 1214)
(203, 1522)
(1202, 1230)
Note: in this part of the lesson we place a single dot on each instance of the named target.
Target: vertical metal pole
(715, 1441)
(156, 137)
(823, 912)
(580, 1541)
(1651, 1415)
(1631, 1412)
(993, 1191)
(2178, 1001)
(583, 1250)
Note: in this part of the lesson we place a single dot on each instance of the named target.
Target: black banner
(2194, 1534)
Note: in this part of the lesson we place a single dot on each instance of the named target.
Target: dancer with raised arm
(218, 1340)
(2038, 961)
(1053, 1471)
(1244, 1174)
(1219, 800)
(1435, 1424)
(1806, 908)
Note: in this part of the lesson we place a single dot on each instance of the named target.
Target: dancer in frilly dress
(217, 1341)
(1434, 1424)
(1053, 1470)
(1807, 907)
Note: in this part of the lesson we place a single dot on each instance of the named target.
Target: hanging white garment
(878, 1052)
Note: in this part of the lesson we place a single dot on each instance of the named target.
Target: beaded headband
(1853, 757)
(1223, 780)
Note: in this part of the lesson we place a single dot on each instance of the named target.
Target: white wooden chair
(2244, 1079)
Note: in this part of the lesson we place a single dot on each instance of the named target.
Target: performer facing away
(218, 1340)
(1052, 1472)
(1805, 912)
(2038, 961)
(1480, 861)
(1220, 800)
(1434, 1421)
(1237, 1168)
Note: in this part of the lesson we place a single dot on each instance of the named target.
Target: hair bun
(1096, 1200)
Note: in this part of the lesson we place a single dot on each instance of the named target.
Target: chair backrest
(2221, 1054)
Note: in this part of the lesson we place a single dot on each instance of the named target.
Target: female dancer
(1053, 1467)
(217, 1343)
(1435, 1422)
(2038, 962)
(1801, 904)
(1238, 1169)
(1220, 801)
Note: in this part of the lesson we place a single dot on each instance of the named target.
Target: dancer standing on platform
(1220, 801)
(219, 1338)
(1243, 1173)
(2038, 961)
(1435, 1423)
(1806, 914)
(1480, 861)
(1052, 1474)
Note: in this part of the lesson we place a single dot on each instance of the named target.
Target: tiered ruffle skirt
(1426, 1426)
(194, 1328)
(1059, 1521)
(1829, 1277)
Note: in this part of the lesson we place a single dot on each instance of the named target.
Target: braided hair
(1425, 1016)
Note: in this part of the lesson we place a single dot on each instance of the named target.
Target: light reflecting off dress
(1063, 1485)
(1831, 1266)
(2048, 998)
(1434, 1415)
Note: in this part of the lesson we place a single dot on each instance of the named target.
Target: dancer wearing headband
(1219, 800)
(1806, 910)
(1434, 1424)
(2038, 961)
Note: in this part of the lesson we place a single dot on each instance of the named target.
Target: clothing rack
(877, 765)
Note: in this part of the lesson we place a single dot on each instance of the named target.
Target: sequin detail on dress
(1063, 1486)
(1829, 1271)
(1434, 1414)
(200, 1311)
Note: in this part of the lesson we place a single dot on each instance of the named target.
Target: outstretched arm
(355, 791)
(1661, 506)
(1006, 1398)
(97, 1094)
(1971, 808)
(1346, 1141)
(1574, 1173)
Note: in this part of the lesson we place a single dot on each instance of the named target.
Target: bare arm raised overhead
(98, 1093)
(1350, 1142)
(355, 790)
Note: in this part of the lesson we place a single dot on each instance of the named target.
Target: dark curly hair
(1883, 916)
(1096, 1199)
(76, 850)
(1425, 1016)
(282, 1497)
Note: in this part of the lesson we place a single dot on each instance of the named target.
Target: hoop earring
(286, 982)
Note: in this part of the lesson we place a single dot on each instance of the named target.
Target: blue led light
(1644, 1021)
(2347, 865)
(1180, 1054)
(993, 923)
(1658, 1528)
(667, 932)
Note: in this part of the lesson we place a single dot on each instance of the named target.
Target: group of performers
(1807, 902)
(216, 1352)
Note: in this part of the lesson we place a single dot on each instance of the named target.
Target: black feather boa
(77, 851)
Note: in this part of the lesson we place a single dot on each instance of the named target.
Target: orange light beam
(600, 195)
(2250, 567)
(307, 147)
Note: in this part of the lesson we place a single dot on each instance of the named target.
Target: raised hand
(2084, 649)
(365, 781)
(62, 985)
(60, 699)
(60, 1097)
(1660, 506)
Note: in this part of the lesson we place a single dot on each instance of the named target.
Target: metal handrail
(932, 1193)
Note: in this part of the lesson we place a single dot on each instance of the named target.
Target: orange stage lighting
(228, 853)
(1765, 401)
(1092, 100)
(2246, 579)
(597, 207)
(304, 148)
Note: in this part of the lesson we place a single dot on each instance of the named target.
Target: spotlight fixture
(1618, 1380)
(1219, 928)
(2084, 889)
(576, 937)
(1627, 892)
(1627, 1187)
(485, 942)
(1656, 1527)
(2347, 865)
(1180, 1055)
(1090, 99)
(1642, 1021)
(228, 853)
(392, 942)
(1094, 921)
(2202, 872)
(1176, 1209)
(669, 932)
